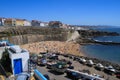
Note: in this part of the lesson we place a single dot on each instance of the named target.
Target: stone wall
(29, 38)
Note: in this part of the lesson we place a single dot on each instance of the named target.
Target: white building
(2, 21)
(43, 24)
(19, 59)
(27, 23)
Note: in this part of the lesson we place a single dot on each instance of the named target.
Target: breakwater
(107, 42)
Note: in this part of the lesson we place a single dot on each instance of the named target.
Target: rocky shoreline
(104, 62)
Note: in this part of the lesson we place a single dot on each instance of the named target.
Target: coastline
(74, 49)
(99, 60)
(64, 48)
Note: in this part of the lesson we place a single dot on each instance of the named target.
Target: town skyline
(78, 12)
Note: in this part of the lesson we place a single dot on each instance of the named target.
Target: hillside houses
(9, 22)
(14, 22)
(39, 23)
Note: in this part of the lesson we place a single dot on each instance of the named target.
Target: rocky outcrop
(75, 35)
(94, 33)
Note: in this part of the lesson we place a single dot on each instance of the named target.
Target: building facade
(2, 21)
(27, 23)
(9, 22)
(35, 23)
(19, 22)
(19, 59)
(44, 24)
(55, 24)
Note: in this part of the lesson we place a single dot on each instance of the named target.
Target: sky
(76, 12)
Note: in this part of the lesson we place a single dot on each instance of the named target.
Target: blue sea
(105, 52)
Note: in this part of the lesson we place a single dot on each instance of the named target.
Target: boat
(39, 59)
(50, 63)
(76, 75)
(53, 57)
(59, 67)
(82, 60)
(42, 62)
(110, 70)
(90, 63)
(99, 66)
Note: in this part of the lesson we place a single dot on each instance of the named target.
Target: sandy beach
(54, 46)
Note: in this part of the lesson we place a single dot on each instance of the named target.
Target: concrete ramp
(74, 36)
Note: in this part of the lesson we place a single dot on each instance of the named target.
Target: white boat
(109, 70)
(82, 60)
(99, 66)
(90, 63)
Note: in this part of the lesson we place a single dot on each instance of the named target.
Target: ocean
(105, 52)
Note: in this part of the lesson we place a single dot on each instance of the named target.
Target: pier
(106, 42)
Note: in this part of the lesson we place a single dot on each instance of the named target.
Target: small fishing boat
(59, 67)
(109, 70)
(99, 66)
(90, 63)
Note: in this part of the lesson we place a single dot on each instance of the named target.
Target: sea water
(105, 52)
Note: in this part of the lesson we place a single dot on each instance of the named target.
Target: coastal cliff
(25, 35)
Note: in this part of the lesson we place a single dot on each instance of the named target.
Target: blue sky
(82, 12)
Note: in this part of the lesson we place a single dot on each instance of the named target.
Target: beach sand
(54, 46)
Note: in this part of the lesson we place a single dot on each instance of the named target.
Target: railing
(39, 75)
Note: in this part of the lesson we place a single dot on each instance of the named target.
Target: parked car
(23, 76)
